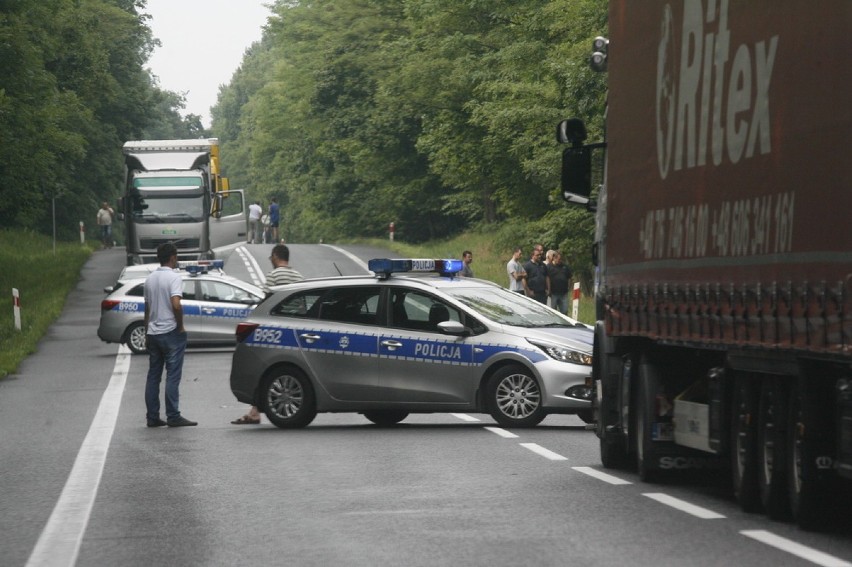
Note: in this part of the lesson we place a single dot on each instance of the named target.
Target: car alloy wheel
(515, 397)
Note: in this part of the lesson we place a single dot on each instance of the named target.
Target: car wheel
(135, 338)
(287, 398)
(514, 397)
(385, 418)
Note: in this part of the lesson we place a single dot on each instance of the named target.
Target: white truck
(174, 192)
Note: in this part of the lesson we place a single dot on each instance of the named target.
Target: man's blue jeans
(164, 350)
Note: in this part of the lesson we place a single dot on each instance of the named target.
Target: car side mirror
(453, 328)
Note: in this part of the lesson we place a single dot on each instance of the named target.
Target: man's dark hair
(165, 251)
(467, 253)
(281, 252)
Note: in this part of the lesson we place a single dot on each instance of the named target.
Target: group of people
(166, 336)
(545, 280)
(263, 226)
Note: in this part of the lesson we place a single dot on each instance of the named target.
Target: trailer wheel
(810, 435)
(645, 404)
(744, 464)
(613, 443)
(771, 449)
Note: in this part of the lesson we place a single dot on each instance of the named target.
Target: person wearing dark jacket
(536, 282)
(560, 282)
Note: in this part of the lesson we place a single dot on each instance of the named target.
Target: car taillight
(244, 330)
(108, 304)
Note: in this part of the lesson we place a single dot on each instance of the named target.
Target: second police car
(213, 304)
(398, 343)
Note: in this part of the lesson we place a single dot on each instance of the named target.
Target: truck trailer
(174, 191)
(724, 255)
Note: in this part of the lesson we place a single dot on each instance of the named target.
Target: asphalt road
(440, 489)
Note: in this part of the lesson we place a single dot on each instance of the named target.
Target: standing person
(516, 272)
(548, 259)
(255, 211)
(467, 259)
(165, 338)
(560, 282)
(281, 274)
(266, 230)
(536, 282)
(274, 218)
(105, 215)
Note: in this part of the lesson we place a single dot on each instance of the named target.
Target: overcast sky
(203, 42)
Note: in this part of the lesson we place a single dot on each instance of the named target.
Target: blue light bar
(196, 267)
(387, 266)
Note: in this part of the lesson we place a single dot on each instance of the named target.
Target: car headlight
(564, 354)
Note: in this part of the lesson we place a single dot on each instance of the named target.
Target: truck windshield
(182, 182)
(168, 209)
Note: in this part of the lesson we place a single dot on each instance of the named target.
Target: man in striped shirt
(281, 272)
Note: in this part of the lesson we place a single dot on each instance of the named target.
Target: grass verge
(43, 280)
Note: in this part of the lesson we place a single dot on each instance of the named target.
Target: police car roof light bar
(195, 267)
(384, 267)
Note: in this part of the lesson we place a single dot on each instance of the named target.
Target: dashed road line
(546, 453)
(683, 506)
(257, 275)
(464, 417)
(601, 475)
(797, 549)
(502, 432)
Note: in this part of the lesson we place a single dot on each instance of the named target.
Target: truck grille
(182, 243)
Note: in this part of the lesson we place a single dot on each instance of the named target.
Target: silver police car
(213, 304)
(398, 343)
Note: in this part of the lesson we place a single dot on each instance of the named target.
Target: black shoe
(180, 422)
(156, 422)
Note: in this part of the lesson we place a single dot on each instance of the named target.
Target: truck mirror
(577, 174)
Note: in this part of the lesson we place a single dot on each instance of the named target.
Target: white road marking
(683, 506)
(351, 256)
(546, 453)
(502, 432)
(59, 543)
(797, 549)
(464, 417)
(601, 475)
(257, 275)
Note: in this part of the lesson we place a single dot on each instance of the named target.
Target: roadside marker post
(575, 301)
(16, 302)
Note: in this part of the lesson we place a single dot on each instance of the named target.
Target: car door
(338, 339)
(222, 305)
(417, 362)
(193, 321)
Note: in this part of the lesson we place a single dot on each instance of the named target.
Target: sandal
(247, 420)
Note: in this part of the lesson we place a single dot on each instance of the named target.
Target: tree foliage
(436, 114)
(73, 88)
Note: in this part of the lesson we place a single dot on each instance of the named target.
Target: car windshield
(509, 308)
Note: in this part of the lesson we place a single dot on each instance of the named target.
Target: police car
(213, 304)
(398, 343)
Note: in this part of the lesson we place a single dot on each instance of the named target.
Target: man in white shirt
(165, 338)
(516, 272)
(255, 227)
